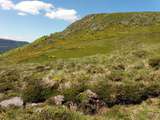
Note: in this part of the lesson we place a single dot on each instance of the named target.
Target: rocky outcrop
(90, 102)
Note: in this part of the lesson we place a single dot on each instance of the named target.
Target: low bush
(34, 91)
(106, 91)
(42, 113)
(116, 76)
(155, 62)
(125, 93)
(130, 94)
(71, 93)
(8, 80)
(5, 86)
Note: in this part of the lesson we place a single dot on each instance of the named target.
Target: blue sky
(29, 20)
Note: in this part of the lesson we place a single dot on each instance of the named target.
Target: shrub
(155, 62)
(71, 93)
(122, 93)
(8, 80)
(5, 86)
(153, 90)
(130, 94)
(106, 92)
(116, 76)
(35, 91)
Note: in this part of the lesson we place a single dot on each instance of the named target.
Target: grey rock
(56, 100)
(15, 101)
(59, 99)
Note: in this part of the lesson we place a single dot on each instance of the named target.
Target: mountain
(102, 67)
(93, 34)
(6, 44)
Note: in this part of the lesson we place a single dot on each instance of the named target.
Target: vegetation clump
(35, 92)
(155, 62)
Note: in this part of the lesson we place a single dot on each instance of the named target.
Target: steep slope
(6, 44)
(94, 34)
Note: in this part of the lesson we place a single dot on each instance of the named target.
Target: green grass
(148, 110)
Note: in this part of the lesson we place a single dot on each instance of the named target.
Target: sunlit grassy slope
(94, 34)
(126, 78)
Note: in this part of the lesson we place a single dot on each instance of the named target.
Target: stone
(15, 101)
(59, 99)
(56, 100)
(90, 94)
(71, 105)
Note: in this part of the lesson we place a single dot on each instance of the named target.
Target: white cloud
(12, 37)
(19, 37)
(22, 14)
(35, 7)
(6, 4)
(64, 14)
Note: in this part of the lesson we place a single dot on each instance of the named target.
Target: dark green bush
(71, 93)
(116, 75)
(35, 91)
(10, 76)
(106, 92)
(122, 93)
(130, 94)
(155, 62)
(8, 80)
(153, 90)
(5, 86)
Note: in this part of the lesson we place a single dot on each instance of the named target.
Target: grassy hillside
(124, 82)
(94, 34)
(104, 66)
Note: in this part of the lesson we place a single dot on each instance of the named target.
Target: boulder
(90, 94)
(71, 105)
(56, 100)
(15, 101)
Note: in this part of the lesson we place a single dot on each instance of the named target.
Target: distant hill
(6, 44)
